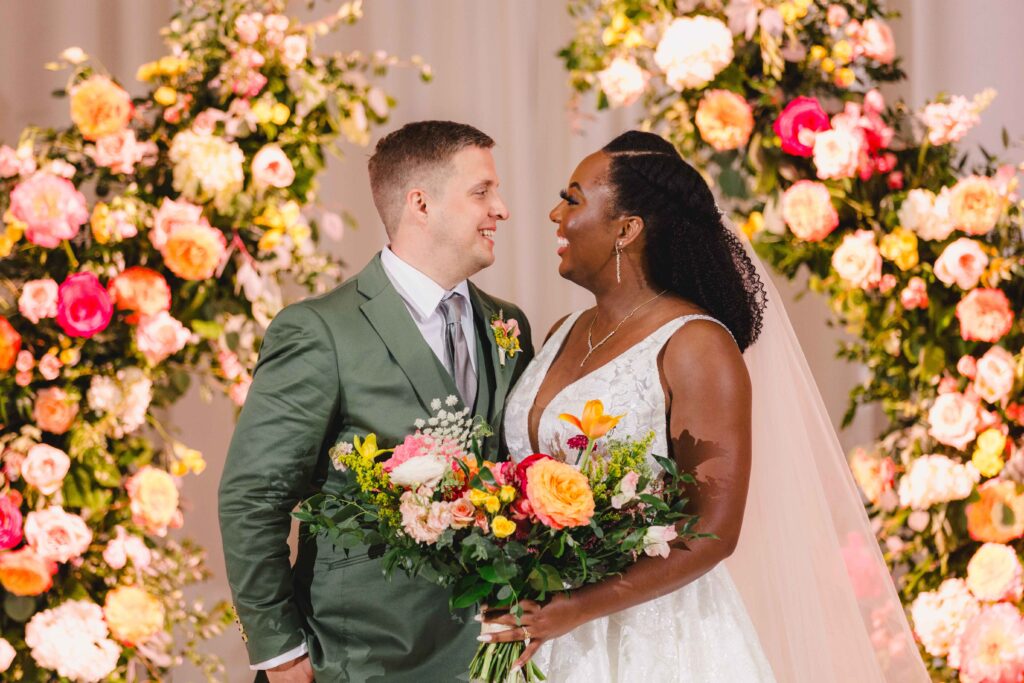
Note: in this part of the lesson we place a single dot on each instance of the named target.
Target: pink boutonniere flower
(506, 336)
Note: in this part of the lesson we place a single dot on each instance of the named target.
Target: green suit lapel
(484, 309)
(387, 313)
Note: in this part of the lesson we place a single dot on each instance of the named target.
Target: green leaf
(19, 608)
(545, 578)
(473, 594)
(1008, 518)
(207, 329)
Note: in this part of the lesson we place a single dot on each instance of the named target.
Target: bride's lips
(563, 244)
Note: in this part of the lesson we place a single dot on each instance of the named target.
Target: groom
(368, 356)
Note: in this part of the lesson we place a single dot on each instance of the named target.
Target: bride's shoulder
(702, 352)
(561, 321)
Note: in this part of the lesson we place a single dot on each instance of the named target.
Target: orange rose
(10, 344)
(154, 499)
(140, 290)
(133, 615)
(724, 120)
(22, 572)
(999, 516)
(559, 494)
(194, 251)
(100, 107)
(55, 410)
(974, 205)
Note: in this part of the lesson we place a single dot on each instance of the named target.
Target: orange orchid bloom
(594, 423)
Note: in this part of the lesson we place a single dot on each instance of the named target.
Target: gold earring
(618, 262)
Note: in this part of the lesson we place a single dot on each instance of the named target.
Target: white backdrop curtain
(496, 68)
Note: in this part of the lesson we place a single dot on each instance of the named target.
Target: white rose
(7, 654)
(45, 468)
(927, 215)
(939, 616)
(271, 166)
(693, 50)
(423, 470)
(936, 479)
(962, 262)
(293, 50)
(623, 81)
(857, 259)
(995, 374)
(57, 535)
(378, 102)
(953, 419)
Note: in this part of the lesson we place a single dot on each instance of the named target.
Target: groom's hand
(296, 671)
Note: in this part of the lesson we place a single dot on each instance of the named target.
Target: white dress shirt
(421, 296)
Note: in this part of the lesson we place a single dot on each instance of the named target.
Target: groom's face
(466, 213)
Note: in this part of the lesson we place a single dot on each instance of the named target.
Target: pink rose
(10, 165)
(836, 16)
(83, 306)
(25, 361)
(657, 539)
(962, 262)
(421, 520)
(293, 50)
(915, 294)
(996, 373)
(159, 336)
(975, 205)
(49, 367)
(54, 410)
(51, 207)
(45, 468)
(837, 152)
(248, 27)
(57, 535)
(953, 419)
(984, 315)
(808, 211)
(989, 646)
(121, 151)
(887, 283)
(875, 38)
(239, 391)
(857, 259)
(967, 366)
(169, 217)
(949, 122)
(124, 547)
(798, 124)
(463, 513)
(10, 522)
(271, 166)
(38, 300)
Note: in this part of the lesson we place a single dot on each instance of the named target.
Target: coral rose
(10, 345)
(193, 252)
(991, 647)
(51, 208)
(54, 410)
(133, 615)
(797, 125)
(559, 494)
(45, 468)
(974, 205)
(808, 211)
(154, 499)
(875, 39)
(83, 306)
(23, 572)
(159, 336)
(724, 119)
(998, 515)
(995, 374)
(142, 291)
(984, 315)
(100, 107)
(523, 468)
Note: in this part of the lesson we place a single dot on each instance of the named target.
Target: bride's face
(586, 228)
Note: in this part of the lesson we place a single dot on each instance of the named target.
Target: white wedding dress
(701, 633)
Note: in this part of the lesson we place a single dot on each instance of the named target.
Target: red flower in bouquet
(83, 306)
(524, 466)
(797, 124)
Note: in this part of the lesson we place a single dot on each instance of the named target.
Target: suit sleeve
(292, 401)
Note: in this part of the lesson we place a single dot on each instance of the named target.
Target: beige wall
(496, 69)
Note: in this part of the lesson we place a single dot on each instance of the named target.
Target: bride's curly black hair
(689, 251)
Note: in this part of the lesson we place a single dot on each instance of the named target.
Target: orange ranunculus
(724, 119)
(23, 572)
(100, 107)
(559, 494)
(594, 423)
(998, 517)
(142, 291)
(193, 252)
(10, 344)
(133, 615)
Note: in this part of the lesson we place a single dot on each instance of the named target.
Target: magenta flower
(83, 305)
(10, 523)
(797, 124)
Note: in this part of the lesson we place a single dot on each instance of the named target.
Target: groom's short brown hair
(417, 152)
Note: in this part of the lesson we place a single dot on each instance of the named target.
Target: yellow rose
(502, 526)
(789, 11)
(828, 65)
(492, 504)
(280, 113)
(988, 452)
(900, 247)
(262, 111)
(100, 107)
(842, 52)
(753, 225)
(507, 494)
(818, 52)
(845, 77)
(154, 499)
(194, 251)
(133, 615)
(559, 494)
(477, 497)
(270, 240)
(100, 223)
(147, 72)
(165, 95)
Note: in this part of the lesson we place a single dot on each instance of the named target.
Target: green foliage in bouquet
(149, 239)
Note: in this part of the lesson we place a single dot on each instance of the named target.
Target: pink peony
(54, 410)
(995, 375)
(159, 336)
(949, 122)
(57, 535)
(994, 573)
(875, 39)
(915, 294)
(38, 300)
(808, 211)
(83, 306)
(939, 616)
(272, 167)
(49, 367)
(798, 124)
(984, 315)
(967, 366)
(71, 639)
(248, 27)
(45, 468)
(422, 519)
(10, 522)
(953, 419)
(975, 205)
(962, 262)
(121, 151)
(991, 647)
(51, 208)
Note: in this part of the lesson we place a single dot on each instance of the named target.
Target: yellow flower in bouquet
(100, 107)
(560, 494)
(595, 423)
(503, 526)
(988, 452)
(900, 247)
(133, 615)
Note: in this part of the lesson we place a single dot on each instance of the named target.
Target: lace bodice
(629, 383)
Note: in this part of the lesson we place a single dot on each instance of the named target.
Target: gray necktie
(456, 350)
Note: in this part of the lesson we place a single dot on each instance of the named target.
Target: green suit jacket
(346, 363)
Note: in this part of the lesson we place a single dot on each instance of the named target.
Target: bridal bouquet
(498, 533)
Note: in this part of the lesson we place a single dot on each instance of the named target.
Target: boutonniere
(506, 336)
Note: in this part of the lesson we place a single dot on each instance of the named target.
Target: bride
(792, 587)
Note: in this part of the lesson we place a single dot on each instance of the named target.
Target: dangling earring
(618, 262)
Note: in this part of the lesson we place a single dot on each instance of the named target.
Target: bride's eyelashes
(567, 197)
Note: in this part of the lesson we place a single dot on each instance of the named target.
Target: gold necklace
(591, 346)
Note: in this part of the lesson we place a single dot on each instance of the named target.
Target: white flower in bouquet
(423, 470)
(939, 616)
(693, 50)
(927, 215)
(936, 479)
(995, 574)
(71, 639)
(995, 374)
(962, 263)
(7, 654)
(953, 420)
(623, 81)
(857, 259)
(206, 167)
(657, 538)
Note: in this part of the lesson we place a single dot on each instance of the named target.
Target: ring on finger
(526, 633)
